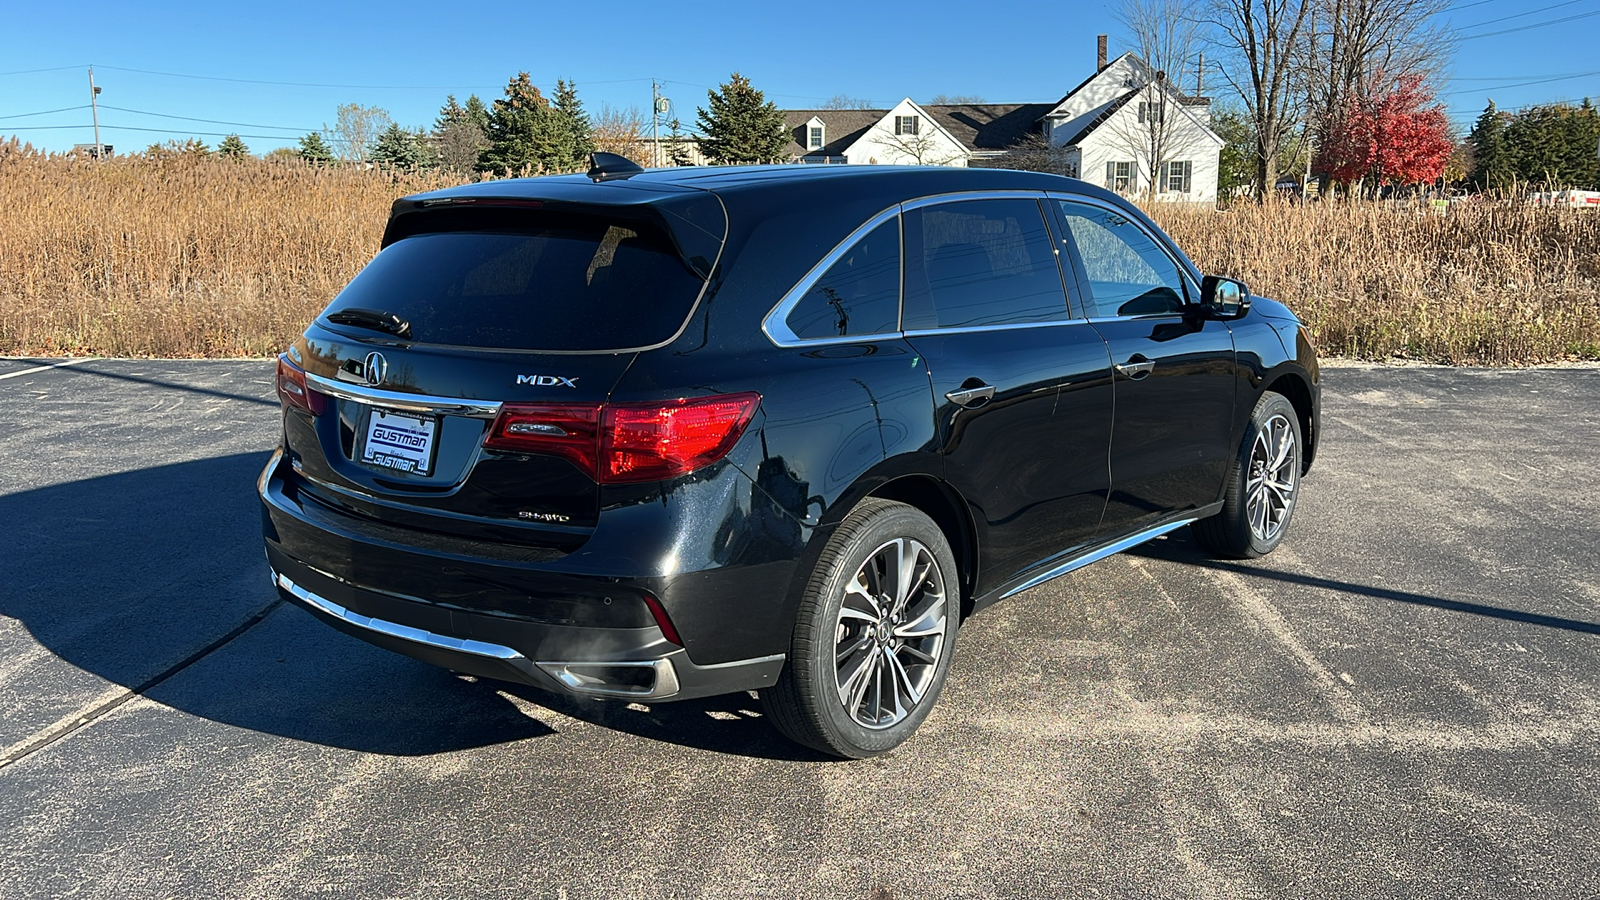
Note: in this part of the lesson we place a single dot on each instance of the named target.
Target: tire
(868, 658)
(1263, 485)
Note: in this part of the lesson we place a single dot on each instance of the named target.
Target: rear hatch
(482, 314)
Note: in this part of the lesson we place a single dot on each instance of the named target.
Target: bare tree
(621, 131)
(1168, 38)
(356, 129)
(924, 147)
(955, 100)
(844, 101)
(1035, 153)
(1264, 41)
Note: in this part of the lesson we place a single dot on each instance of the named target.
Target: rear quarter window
(571, 284)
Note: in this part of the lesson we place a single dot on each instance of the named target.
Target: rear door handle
(972, 396)
(1137, 368)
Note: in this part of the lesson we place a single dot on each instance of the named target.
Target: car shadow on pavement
(1179, 547)
(130, 578)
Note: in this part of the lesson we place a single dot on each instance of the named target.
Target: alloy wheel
(892, 629)
(1270, 485)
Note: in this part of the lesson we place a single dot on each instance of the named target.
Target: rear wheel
(874, 635)
(1262, 486)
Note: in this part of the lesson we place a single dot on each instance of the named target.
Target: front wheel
(874, 636)
(1262, 486)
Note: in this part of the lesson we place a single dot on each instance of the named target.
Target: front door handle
(971, 397)
(1137, 368)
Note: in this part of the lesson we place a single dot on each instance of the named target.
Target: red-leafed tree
(1398, 136)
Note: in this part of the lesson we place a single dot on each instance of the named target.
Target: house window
(1179, 178)
(1119, 176)
(814, 141)
(906, 124)
(1152, 113)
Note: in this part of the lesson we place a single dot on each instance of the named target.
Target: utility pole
(94, 108)
(1200, 77)
(655, 124)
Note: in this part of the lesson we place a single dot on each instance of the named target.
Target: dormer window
(814, 137)
(907, 124)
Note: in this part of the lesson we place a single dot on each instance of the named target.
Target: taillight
(628, 442)
(570, 431)
(293, 390)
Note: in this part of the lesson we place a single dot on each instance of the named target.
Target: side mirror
(1224, 298)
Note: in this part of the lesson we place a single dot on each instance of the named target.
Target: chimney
(1100, 59)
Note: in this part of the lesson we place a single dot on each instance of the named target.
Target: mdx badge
(548, 380)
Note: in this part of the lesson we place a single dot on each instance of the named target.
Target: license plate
(400, 442)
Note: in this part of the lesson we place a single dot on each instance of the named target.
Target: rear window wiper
(376, 319)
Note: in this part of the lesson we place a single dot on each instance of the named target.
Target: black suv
(655, 435)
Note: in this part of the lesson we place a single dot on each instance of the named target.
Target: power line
(1521, 14)
(1498, 87)
(145, 112)
(46, 112)
(1473, 37)
(32, 71)
(265, 137)
(361, 87)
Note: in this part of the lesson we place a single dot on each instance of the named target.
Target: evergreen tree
(573, 131)
(397, 148)
(741, 125)
(522, 130)
(314, 149)
(1491, 159)
(1554, 146)
(678, 150)
(232, 148)
(477, 113)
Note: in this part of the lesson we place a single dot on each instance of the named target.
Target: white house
(1126, 127)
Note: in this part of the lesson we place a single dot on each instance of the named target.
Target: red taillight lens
(293, 390)
(628, 442)
(570, 431)
(652, 441)
(659, 612)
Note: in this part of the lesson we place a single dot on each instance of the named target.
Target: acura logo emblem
(376, 368)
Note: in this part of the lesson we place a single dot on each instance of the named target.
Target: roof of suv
(892, 182)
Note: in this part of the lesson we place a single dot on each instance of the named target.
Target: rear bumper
(627, 663)
(522, 615)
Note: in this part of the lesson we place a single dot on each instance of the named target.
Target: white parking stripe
(70, 362)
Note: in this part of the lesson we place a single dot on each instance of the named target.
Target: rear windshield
(576, 284)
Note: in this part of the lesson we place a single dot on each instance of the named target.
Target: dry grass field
(205, 257)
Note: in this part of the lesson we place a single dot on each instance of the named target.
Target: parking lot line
(70, 362)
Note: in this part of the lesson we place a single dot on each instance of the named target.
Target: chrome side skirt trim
(394, 629)
(422, 403)
(1078, 562)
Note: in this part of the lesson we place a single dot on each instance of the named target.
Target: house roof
(843, 126)
(990, 126)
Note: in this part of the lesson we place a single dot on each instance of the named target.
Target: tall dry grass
(182, 256)
(1491, 283)
(204, 257)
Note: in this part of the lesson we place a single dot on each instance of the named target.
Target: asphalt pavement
(1403, 701)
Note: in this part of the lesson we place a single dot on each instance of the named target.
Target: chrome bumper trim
(1079, 562)
(394, 629)
(422, 403)
(572, 675)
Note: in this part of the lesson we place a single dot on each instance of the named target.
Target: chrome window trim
(395, 629)
(960, 196)
(423, 403)
(1191, 285)
(777, 329)
(1008, 326)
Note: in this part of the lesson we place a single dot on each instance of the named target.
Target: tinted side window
(980, 262)
(860, 292)
(1129, 275)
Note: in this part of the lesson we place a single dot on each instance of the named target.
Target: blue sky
(293, 65)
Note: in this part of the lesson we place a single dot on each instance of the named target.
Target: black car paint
(727, 550)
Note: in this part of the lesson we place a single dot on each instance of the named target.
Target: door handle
(1137, 368)
(971, 397)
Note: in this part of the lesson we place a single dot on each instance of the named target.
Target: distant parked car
(669, 434)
